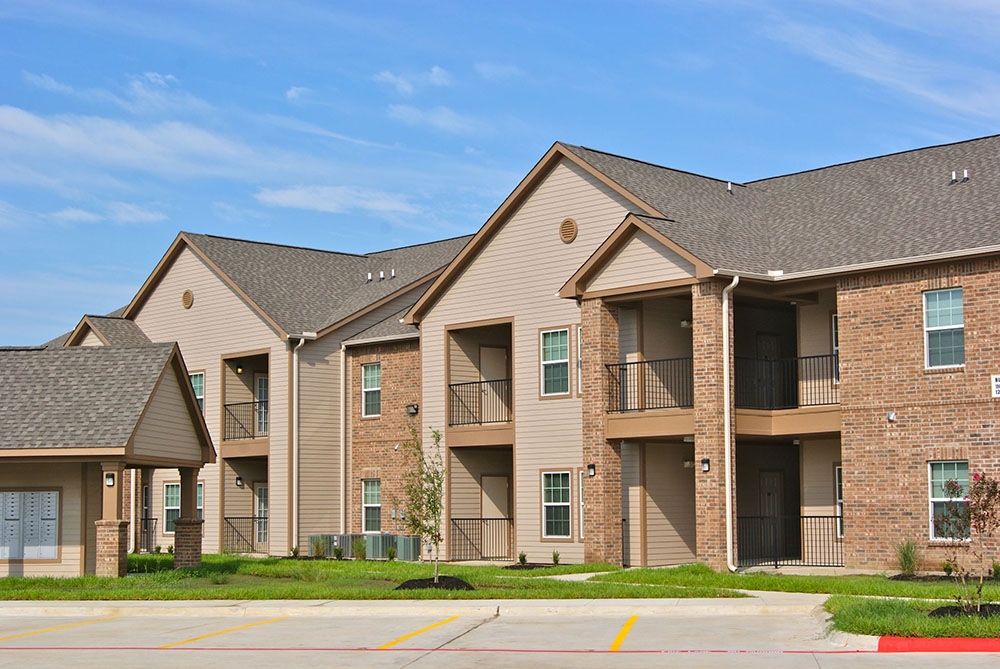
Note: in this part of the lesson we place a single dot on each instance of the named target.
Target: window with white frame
(371, 504)
(835, 332)
(947, 505)
(944, 328)
(555, 362)
(29, 525)
(371, 389)
(172, 504)
(198, 385)
(579, 493)
(555, 505)
(838, 474)
(579, 360)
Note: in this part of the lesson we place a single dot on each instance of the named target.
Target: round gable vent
(187, 299)
(567, 230)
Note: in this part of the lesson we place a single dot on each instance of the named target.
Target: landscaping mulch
(526, 565)
(444, 583)
(985, 611)
(926, 578)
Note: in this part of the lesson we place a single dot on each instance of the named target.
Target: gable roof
(85, 397)
(299, 290)
(392, 328)
(112, 331)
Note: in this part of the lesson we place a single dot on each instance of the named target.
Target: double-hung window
(198, 384)
(555, 362)
(172, 504)
(555, 505)
(371, 504)
(371, 390)
(947, 502)
(944, 328)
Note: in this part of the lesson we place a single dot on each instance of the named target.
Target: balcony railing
(247, 534)
(147, 534)
(480, 402)
(246, 420)
(787, 383)
(482, 539)
(811, 541)
(652, 384)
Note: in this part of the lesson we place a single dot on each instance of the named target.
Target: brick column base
(112, 548)
(187, 542)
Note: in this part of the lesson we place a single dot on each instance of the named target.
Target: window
(579, 493)
(834, 326)
(555, 362)
(838, 474)
(172, 505)
(579, 361)
(29, 525)
(371, 389)
(943, 503)
(944, 328)
(198, 384)
(555, 505)
(371, 505)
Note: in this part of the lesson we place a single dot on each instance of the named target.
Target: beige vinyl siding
(628, 334)
(670, 509)
(662, 334)
(93, 496)
(239, 501)
(632, 503)
(819, 456)
(218, 325)
(518, 275)
(67, 479)
(641, 260)
(815, 328)
(467, 467)
(165, 430)
(91, 339)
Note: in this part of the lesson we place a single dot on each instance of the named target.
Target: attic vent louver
(567, 230)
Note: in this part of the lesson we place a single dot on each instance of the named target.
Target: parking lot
(426, 634)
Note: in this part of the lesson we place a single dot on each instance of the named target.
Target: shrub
(907, 557)
(170, 549)
(338, 553)
(390, 553)
(318, 547)
(522, 558)
(947, 567)
(360, 548)
(157, 549)
(996, 570)
(294, 552)
(555, 557)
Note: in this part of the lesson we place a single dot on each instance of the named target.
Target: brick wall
(112, 548)
(372, 451)
(943, 414)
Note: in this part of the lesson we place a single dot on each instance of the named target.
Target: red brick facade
(112, 548)
(187, 542)
(373, 453)
(940, 414)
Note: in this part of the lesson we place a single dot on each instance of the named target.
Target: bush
(907, 557)
(157, 549)
(522, 558)
(338, 553)
(318, 547)
(170, 549)
(360, 548)
(390, 553)
(555, 557)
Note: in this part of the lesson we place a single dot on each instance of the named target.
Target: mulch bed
(929, 578)
(526, 565)
(444, 583)
(985, 611)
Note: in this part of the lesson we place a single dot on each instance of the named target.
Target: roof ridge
(649, 164)
(413, 246)
(275, 244)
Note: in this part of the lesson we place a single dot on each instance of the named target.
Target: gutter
(303, 338)
(727, 418)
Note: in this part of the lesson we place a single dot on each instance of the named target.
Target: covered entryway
(480, 505)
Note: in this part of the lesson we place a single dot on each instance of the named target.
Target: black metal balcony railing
(479, 402)
(246, 534)
(246, 420)
(810, 541)
(652, 384)
(147, 534)
(787, 383)
(482, 539)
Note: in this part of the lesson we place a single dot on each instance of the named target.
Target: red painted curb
(896, 644)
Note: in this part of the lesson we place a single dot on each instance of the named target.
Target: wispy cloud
(75, 215)
(406, 84)
(497, 71)
(148, 93)
(439, 118)
(335, 199)
(297, 93)
(402, 86)
(125, 212)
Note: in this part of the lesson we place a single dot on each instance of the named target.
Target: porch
(246, 393)
(480, 505)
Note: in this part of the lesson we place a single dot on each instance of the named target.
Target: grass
(906, 618)
(226, 577)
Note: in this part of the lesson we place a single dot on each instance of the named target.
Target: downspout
(727, 417)
(343, 439)
(303, 338)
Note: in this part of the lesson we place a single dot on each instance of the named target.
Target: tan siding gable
(165, 430)
(640, 261)
(91, 339)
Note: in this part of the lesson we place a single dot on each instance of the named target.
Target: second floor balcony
(479, 402)
(246, 420)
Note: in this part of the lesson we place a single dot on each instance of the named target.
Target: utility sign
(995, 383)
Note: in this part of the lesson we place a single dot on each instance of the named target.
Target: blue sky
(363, 126)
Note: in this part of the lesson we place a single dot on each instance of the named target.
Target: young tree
(423, 492)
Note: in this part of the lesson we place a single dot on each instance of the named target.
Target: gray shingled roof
(881, 209)
(389, 328)
(118, 331)
(77, 397)
(306, 290)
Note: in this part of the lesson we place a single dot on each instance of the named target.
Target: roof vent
(392, 273)
(729, 187)
(381, 275)
(775, 272)
(369, 279)
(567, 230)
(965, 175)
(954, 176)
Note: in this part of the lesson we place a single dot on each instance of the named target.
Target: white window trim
(365, 391)
(931, 500)
(543, 362)
(365, 506)
(579, 361)
(568, 504)
(940, 328)
(579, 494)
(835, 338)
(200, 507)
(200, 398)
(838, 493)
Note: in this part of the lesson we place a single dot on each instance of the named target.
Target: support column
(709, 425)
(112, 530)
(187, 528)
(602, 493)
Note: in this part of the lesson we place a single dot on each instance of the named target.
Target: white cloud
(497, 72)
(46, 83)
(148, 93)
(438, 77)
(402, 86)
(124, 212)
(406, 84)
(74, 215)
(335, 199)
(439, 118)
(297, 93)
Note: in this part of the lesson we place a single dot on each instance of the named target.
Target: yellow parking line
(413, 634)
(234, 629)
(55, 629)
(624, 633)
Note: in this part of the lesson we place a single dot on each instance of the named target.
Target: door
(260, 397)
(494, 506)
(260, 516)
(772, 505)
(493, 398)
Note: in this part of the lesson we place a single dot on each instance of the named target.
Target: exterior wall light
(688, 464)
(591, 469)
(705, 464)
(412, 409)
(109, 479)
(239, 481)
